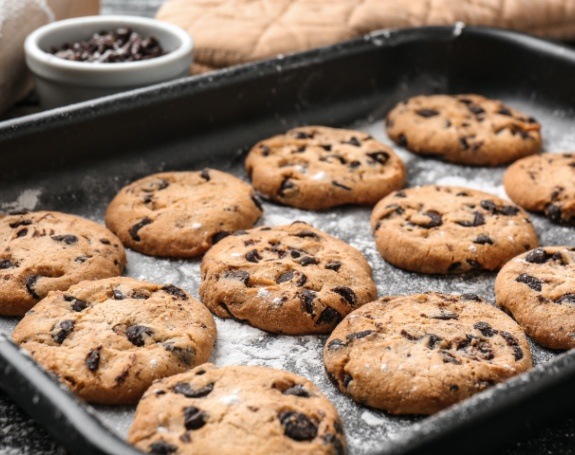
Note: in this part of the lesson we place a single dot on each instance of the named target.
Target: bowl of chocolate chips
(84, 58)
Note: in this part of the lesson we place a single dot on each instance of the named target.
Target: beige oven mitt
(228, 32)
(18, 18)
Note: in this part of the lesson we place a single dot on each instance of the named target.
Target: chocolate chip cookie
(292, 279)
(181, 214)
(464, 129)
(546, 184)
(45, 251)
(441, 229)
(107, 340)
(236, 410)
(538, 289)
(417, 354)
(316, 167)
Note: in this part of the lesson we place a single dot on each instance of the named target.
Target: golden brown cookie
(441, 229)
(181, 214)
(464, 129)
(417, 354)
(316, 167)
(107, 340)
(236, 410)
(292, 279)
(544, 183)
(538, 289)
(45, 251)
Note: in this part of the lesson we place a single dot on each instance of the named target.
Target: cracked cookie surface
(107, 340)
(441, 229)
(417, 354)
(538, 289)
(317, 167)
(45, 251)
(545, 184)
(235, 410)
(292, 279)
(181, 214)
(463, 129)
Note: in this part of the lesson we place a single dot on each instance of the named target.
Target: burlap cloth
(228, 32)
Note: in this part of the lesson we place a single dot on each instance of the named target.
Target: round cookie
(181, 214)
(544, 183)
(44, 251)
(441, 229)
(236, 410)
(107, 340)
(290, 279)
(316, 167)
(463, 129)
(538, 289)
(417, 354)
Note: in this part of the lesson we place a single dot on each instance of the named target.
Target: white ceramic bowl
(60, 81)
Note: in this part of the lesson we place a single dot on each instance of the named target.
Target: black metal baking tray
(82, 154)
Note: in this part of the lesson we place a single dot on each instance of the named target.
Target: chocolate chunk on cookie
(538, 289)
(181, 214)
(317, 167)
(292, 279)
(417, 354)
(107, 340)
(463, 129)
(46, 251)
(544, 184)
(243, 409)
(440, 229)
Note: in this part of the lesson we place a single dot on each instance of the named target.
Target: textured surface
(237, 410)
(262, 28)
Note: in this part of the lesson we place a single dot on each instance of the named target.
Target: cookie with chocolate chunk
(442, 229)
(538, 289)
(45, 251)
(292, 279)
(419, 353)
(181, 214)
(236, 410)
(464, 129)
(316, 167)
(545, 184)
(108, 340)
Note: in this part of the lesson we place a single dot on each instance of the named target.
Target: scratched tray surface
(86, 192)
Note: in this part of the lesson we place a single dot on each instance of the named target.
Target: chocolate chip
(135, 334)
(257, 203)
(400, 194)
(435, 219)
(307, 297)
(303, 135)
(530, 281)
(478, 220)
(298, 426)
(265, 150)
(175, 291)
(194, 418)
(301, 280)
(333, 265)
(504, 111)
(433, 341)
(379, 157)
(19, 223)
(63, 329)
(162, 448)
(346, 293)
(335, 344)
(219, 236)
(347, 380)
(67, 239)
(183, 388)
(353, 141)
(427, 113)
(470, 296)
(118, 295)
(355, 163)
(464, 143)
(133, 231)
(326, 147)
(485, 329)
(304, 234)
(448, 357)
(93, 359)
(308, 260)
(285, 277)
(30, 284)
(566, 298)
(475, 109)
(205, 175)
(253, 256)
(513, 343)
(445, 315)
(21, 233)
(456, 266)
(286, 184)
(409, 336)
(238, 275)
(329, 316)
(553, 212)
(483, 239)
(473, 264)
(77, 304)
(402, 140)
(6, 264)
(358, 335)
(538, 256)
(340, 185)
(297, 390)
(507, 210)
(185, 355)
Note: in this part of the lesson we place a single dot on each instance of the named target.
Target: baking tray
(74, 159)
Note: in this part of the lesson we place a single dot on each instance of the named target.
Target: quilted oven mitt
(228, 32)
(17, 19)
